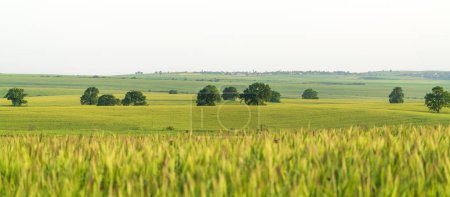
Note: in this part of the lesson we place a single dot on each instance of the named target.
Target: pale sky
(124, 36)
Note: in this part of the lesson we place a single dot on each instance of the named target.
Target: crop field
(65, 114)
(351, 86)
(346, 100)
(385, 161)
(350, 142)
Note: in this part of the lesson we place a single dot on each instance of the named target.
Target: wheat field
(64, 114)
(381, 161)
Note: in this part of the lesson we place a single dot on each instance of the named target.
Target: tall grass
(386, 161)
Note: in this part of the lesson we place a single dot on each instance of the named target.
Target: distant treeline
(431, 75)
(278, 73)
(335, 83)
(375, 75)
(434, 75)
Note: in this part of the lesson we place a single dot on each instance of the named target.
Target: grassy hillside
(64, 113)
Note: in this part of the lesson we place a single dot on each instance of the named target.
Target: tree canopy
(16, 96)
(396, 95)
(108, 100)
(230, 94)
(134, 98)
(437, 99)
(310, 94)
(208, 96)
(90, 96)
(256, 94)
(276, 96)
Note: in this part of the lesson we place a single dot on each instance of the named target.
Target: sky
(124, 36)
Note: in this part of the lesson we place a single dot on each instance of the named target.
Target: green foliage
(310, 94)
(134, 98)
(108, 100)
(90, 96)
(173, 92)
(230, 94)
(208, 96)
(16, 96)
(256, 94)
(276, 96)
(396, 95)
(437, 99)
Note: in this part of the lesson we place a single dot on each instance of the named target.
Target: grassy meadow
(386, 161)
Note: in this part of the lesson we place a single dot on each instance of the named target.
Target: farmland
(388, 161)
(346, 100)
(64, 113)
(330, 86)
(349, 142)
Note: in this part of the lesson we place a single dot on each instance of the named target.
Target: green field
(350, 142)
(330, 86)
(389, 161)
(346, 100)
(64, 113)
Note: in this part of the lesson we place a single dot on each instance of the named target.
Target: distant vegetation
(437, 99)
(376, 75)
(396, 95)
(208, 96)
(276, 97)
(16, 96)
(430, 75)
(134, 98)
(90, 96)
(310, 94)
(108, 100)
(173, 92)
(278, 73)
(256, 94)
(230, 94)
(335, 83)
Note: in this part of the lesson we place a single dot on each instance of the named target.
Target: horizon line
(215, 71)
